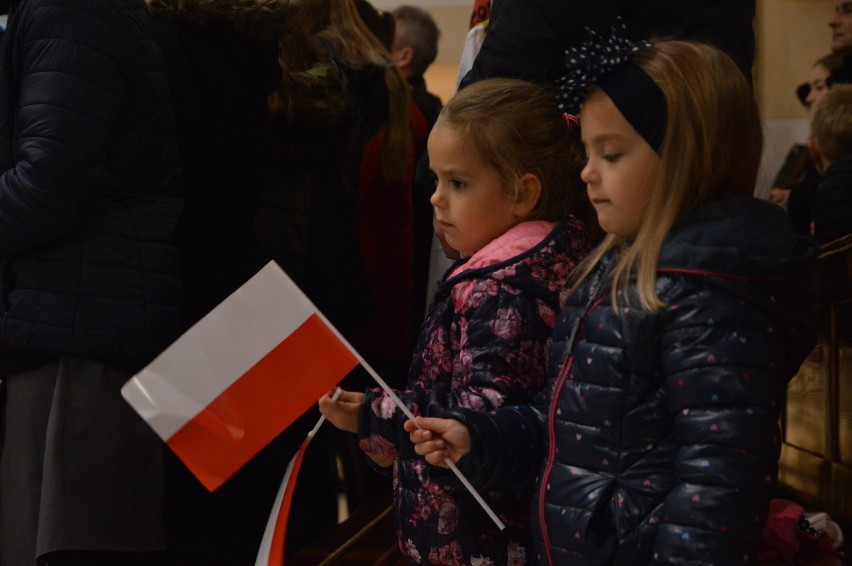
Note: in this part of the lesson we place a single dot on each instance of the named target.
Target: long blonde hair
(711, 151)
(338, 22)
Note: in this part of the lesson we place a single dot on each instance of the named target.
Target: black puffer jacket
(90, 184)
(527, 38)
(832, 208)
(659, 430)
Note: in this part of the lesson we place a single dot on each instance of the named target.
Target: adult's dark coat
(527, 38)
(832, 210)
(89, 275)
(90, 184)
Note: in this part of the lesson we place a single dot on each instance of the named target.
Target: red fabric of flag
(262, 403)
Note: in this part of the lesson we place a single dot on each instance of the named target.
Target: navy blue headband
(639, 99)
(605, 61)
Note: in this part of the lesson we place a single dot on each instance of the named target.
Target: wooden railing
(816, 457)
(367, 537)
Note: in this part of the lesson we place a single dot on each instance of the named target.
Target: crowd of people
(605, 359)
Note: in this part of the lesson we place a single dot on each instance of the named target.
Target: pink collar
(515, 241)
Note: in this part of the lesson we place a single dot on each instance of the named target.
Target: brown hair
(831, 124)
(711, 151)
(261, 19)
(515, 127)
(338, 22)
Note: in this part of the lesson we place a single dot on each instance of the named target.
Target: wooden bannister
(816, 456)
(367, 537)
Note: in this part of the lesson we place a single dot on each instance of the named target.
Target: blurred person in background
(795, 185)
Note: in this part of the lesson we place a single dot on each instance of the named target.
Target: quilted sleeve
(70, 71)
(721, 357)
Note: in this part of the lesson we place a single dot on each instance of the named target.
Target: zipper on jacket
(551, 428)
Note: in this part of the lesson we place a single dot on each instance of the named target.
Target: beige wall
(452, 18)
(453, 22)
(791, 35)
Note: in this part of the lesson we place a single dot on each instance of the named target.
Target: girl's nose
(810, 98)
(437, 195)
(587, 174)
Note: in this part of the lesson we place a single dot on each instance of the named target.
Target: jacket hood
(842, 166)
(261, 19)
(748, 247)
(739, 238)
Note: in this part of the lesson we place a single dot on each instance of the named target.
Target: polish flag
(240, 376)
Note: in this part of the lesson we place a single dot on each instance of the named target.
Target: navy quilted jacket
(90, 185)
(656, 440)
(481, 346)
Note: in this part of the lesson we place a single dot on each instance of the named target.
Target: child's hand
(345, 413)
(780, 196)
(439, 439)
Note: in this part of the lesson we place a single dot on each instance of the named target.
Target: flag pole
(487, 508)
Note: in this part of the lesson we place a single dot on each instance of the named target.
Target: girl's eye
(457, 184)
(611, 157)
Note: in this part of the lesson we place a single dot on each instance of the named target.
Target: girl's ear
(528, 194)
(402, 57)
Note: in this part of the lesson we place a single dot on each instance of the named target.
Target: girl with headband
(656, 439)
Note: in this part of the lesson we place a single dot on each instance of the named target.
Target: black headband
(639, 99)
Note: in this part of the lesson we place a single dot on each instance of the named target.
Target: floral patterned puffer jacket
(482, 346)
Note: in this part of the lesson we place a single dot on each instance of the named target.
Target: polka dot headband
(605, 62)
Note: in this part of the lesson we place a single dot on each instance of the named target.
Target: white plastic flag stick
(487, 508)
(335, 397)
(447, 461)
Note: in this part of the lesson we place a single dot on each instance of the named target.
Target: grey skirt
(79, 469)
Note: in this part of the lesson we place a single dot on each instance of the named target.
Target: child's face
(621, 166)
(471, 207)
(818, 85)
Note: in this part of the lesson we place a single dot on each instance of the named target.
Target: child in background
(830, 146)
(656, 440)
(501, 156)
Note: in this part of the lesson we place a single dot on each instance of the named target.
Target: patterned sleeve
(491, 355)
(719, 357)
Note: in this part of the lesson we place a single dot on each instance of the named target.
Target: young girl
(656, 439)
(500, 154)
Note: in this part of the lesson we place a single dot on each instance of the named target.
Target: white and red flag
(240, 376)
